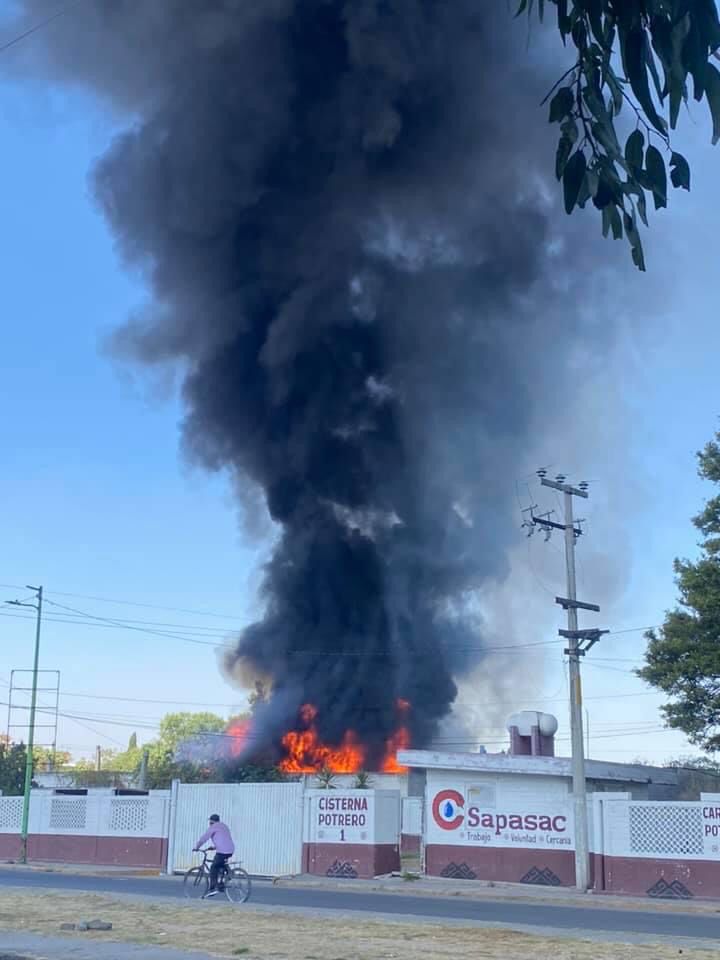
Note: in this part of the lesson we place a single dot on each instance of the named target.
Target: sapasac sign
(455, 821)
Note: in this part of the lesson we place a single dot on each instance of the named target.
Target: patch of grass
(287, 935)
(408, 877)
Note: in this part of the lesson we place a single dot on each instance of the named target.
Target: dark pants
(219, 861)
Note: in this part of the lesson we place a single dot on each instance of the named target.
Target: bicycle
(233, 881)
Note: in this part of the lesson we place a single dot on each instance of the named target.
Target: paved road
(593, 920)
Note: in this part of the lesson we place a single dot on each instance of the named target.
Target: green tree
(43, 758)
(683, 656)
(108, 758)
(175, 730)
(176, 727)
(12, 768)
(251, 773)
(638, 55)
(188, 748)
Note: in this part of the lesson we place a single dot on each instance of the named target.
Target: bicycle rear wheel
(237, 885)
(195, 884)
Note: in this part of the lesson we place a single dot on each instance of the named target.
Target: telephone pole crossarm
(564, 487)
(550, 524)
(590, 636)
(576, 605)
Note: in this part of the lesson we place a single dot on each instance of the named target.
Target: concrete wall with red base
(657, 877)
(96, 828)
(660, 849)
(506, 864)
(351, 833)
(662, 879)
(350, 860)
(105, 851)
(515, 829)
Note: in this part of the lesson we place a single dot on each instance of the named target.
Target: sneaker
(211, 893)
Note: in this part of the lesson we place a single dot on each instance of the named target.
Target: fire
(306, 753)
(238, 732)
(400, 740)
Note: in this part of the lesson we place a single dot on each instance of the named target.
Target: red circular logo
(447, 809)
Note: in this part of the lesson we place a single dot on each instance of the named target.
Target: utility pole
(579, 642)
(38, 591)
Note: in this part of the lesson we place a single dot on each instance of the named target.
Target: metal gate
(266, 821)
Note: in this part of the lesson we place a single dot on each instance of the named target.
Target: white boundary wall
(656, 829)
(94, 815)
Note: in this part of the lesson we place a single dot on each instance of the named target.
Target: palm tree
(363, 780)
(326, 779)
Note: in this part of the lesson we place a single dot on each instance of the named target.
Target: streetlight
(31, 731)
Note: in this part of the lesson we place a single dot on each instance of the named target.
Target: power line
(119, 625)
(189, 630)
(131, 603)
(117, 622)
(186, 628)
(106, 622)
(207, 613)
(39, 26)
(180, 702)
(355, 654)
(134, 722)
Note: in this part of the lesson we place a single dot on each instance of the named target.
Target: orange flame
(239, 732)
(400, 740)
(306, 753)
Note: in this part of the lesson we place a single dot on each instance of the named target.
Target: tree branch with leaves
(639, 55)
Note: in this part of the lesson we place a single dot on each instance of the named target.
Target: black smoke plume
(342, 212)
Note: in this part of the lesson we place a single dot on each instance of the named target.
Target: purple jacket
(220, 837)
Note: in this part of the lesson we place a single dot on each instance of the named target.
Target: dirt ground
(232, 931)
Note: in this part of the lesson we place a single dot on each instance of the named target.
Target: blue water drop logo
(448, 809)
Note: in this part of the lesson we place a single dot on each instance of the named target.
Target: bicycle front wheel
(195, 884)
(237, 885)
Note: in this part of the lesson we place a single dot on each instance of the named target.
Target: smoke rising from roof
(340, 211)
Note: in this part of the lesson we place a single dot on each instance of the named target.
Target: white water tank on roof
(525, 720)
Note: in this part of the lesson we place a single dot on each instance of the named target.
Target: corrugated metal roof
(535, 766)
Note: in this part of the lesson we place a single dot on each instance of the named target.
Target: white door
(265, 819)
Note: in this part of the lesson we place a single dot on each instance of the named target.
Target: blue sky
(97, 501)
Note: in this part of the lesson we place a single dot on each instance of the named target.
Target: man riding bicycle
(219, 835)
